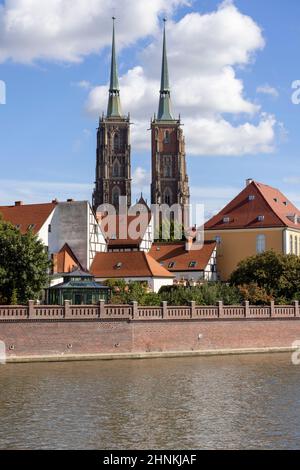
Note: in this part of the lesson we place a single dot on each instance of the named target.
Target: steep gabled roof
(127, 265)
(65, 260)
(257, 206)
(116, 234)
(175, 257)
(28, 216)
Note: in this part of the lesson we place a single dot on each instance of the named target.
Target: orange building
(258, 219)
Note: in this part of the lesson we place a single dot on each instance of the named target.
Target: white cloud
(85, 84)
(68, 30)
(203, 51)
(267, 90)
(141, 178)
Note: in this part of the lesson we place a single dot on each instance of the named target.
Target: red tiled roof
(65, 260)
(166, 253)
(117, 235)
(133, 264)
(26, 216)
(257, 206)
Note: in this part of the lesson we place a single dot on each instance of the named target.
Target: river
(240, 402)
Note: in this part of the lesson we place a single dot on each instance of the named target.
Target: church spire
(165, 108)
(114, 104)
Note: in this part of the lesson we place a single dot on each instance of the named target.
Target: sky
(232, 65)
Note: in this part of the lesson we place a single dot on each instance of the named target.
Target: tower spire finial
(114, 104)
(165, 110)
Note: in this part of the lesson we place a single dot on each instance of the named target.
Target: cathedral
(170, 184)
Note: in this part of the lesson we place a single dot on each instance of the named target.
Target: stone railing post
(67, 310)
(101, 308)
(296, 307)
(272, 314)
(135, 310)
(31, 309)
(220, 309)
(165, 309)
(193, 309)
(247, 308)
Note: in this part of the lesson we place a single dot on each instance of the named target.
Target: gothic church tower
(170, 184)
(113, 167)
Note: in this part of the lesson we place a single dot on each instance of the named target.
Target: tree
(208, 293)
(24, 265)
(278, 275)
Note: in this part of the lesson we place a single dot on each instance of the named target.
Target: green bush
(277, 275)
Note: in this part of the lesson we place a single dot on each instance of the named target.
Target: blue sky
(48, 124)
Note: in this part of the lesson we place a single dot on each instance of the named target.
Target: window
(226, 220)
(167, 197)
(115, 196)
(251, 197)
(296, 246)
(261, 218)
(116, 142)
(291, 244)
(260, 243)
(49, 228)
(116, 169)
(167, 137)
(171, 265)
(31, 227)
(218, 239)
(167, 167)
(193, 264)
(118, 266)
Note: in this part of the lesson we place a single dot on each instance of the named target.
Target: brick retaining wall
(57, 331)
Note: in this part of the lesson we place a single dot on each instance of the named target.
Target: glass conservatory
(80, 288)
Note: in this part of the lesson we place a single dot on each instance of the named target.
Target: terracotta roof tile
(131, 264)
(116, 233)
(257, 206)
(175, 257)
(27, 216)
(65, 260)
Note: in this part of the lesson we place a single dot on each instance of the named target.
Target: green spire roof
(114, 104)
(165, 107)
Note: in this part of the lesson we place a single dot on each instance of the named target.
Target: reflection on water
(201, 403)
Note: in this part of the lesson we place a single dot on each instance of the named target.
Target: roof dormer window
(261, 218)
(226, 220)
(251, 197)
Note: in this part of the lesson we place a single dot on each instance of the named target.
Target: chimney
(19, 203)
(55, 201)
(249, 181)
(70, 200)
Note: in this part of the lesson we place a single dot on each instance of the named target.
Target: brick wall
(47, 330)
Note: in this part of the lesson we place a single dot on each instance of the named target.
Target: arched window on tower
(116, 142)
(167, 167)
(116, 193)
(167, 137)
(167, 196)
(116, 169)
